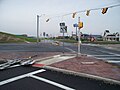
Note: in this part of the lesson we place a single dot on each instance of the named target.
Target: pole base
(79, 55)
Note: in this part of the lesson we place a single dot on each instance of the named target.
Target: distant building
(88, 37)
(74, 36)
(111, 37)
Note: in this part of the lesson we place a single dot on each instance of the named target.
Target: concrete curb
(37, 60)
(106, 80)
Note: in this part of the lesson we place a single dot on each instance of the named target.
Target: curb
(37, 60)
(106, 80)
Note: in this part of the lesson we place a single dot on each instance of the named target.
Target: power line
(111, 6)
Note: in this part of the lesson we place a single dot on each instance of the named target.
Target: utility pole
(37, 29)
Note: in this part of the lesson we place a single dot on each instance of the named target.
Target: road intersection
(29, 78)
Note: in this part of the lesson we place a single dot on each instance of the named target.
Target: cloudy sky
(19, 16)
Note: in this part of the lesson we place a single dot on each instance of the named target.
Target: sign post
(63, 29)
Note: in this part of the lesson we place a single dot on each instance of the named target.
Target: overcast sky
(19, 16)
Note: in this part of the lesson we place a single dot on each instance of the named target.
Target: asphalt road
(26, 78)
(109, 55)
(32, 47)
(100, 52)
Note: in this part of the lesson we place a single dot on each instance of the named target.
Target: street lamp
(38, 26)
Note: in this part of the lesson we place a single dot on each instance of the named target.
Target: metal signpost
(63, 29)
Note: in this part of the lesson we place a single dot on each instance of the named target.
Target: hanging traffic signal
(88, 12)
(47, 20)
(73, 16)
(104, 10)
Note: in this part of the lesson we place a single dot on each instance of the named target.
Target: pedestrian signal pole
(79, 41)
(80, 25)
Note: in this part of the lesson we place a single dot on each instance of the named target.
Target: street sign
(63, 29)
(62, 24)
(75, 25)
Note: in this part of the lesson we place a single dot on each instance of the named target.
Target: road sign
(63, 29)
(62, 24)
(75, 25)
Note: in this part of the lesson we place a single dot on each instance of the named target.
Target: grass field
(87, 42)
(10, 38)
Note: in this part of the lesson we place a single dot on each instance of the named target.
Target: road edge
(106, 80)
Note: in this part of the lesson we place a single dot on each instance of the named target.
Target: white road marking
(109, 53)
(104, 55)
(20, 77)
(14, 66)
(70, 50)
(51, 82)
(113, 61)
(109, 58)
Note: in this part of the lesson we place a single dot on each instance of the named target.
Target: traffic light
(80, 25)
(88, 12)
(43, 33)
(104, 10)
(47, 20)
(73, 16)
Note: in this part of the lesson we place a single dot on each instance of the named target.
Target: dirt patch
(90, 65)
(20, 55)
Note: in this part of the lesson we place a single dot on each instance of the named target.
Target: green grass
(96, 42)
(29, 39)
(21, 38)
(66, 40)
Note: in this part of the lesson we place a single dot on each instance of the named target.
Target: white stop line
(20, 77)
(52, 83)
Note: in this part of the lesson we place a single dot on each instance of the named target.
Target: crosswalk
(114, 59)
